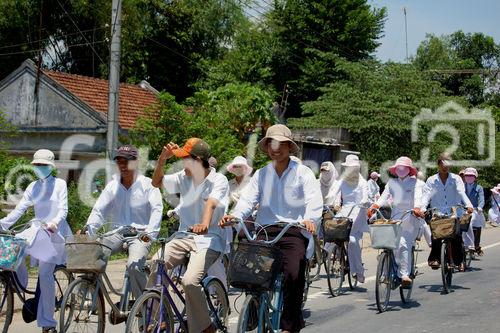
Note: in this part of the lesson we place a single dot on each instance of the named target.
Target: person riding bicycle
(327, 177)
(373, 187)
(129, 199)
(443, 191)
(285, 191)
(494, 211)
(353, 190)
(49, 197)
(204, 197)
(475, 193)
(406, 195)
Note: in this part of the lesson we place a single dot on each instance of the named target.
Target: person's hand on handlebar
(372, 210)
(310, 226)
(418, 212)
(82, 231)
(470, 210)
(225, 221)
(199, 229)
(145, 238)
(51, 227)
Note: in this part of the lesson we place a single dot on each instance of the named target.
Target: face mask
(42, 171)
(470, 179)
(238, 172)
(402, 171)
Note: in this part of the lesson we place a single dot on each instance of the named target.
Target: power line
(74, 23)
(44, 50)
(47, 39)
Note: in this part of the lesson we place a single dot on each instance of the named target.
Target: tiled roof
(94, 92)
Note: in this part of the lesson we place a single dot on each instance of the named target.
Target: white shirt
(406, 194)
(235, 189)
(192, 205)
(293, 197)
(444, 196)
(140, 206)
(49, 197)
(373, 190)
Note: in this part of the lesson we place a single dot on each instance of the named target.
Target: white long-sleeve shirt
(140, 206)
(373, 190)
(406, 194)
(444, 196)
(192, 205)
(293, 197)
(49, 198)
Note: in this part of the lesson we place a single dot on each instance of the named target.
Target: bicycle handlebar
(285, 227)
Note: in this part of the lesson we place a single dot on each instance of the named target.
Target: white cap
(44, 156)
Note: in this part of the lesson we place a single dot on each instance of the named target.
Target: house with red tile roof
(67, 113)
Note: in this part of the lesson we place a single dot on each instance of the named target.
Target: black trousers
(293, 246)
(477, 237)
(456, 250)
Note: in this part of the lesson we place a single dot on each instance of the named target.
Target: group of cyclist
(284, 190)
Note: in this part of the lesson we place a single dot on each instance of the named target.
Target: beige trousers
(199, 262)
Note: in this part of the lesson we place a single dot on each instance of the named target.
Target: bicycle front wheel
(82, 308)
(63, 278)
(248, 321)
(150, 314)
(446, 267)
(383, 281)
(335, 268)
(218, 303)
(6, 304)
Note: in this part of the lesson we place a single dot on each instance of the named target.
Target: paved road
(473, 306)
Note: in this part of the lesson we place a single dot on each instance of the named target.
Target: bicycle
(256, 269)
(313, 267)
(445, 228)
(83, 302)
(385, 235)
(157, 310)
(337, 262)
(9, 281)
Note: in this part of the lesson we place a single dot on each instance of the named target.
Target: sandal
(434, 264)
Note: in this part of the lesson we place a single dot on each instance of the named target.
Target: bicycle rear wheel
(150, 314)
(6, 304)
(468, 257)
(446, 267)
(218, 303)
(335, 267)
(248, 319)
(82, 309)
(383, 281)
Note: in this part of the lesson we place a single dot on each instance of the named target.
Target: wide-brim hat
(374, 175)
(351, 161)
(240, 160)
(279, 133)
(403, 161)
(496, 189)
(44, 156)
(471, 172)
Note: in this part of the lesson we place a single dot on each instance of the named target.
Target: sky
(437, 17)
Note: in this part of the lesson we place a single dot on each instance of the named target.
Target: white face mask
(402, 171)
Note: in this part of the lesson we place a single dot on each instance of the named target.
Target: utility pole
(114, 82)
(406, 33)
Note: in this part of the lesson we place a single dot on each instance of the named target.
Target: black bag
(30, 307)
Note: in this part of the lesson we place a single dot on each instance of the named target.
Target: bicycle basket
(385, 234)
(11, 252)
(443, 227)
(336, 229)
(254, 265)
(465, 222)
(86, 254)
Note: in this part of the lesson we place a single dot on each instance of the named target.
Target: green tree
(223, 117)
(376, 103)
(460, 51)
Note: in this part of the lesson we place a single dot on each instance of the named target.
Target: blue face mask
(42, 171)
